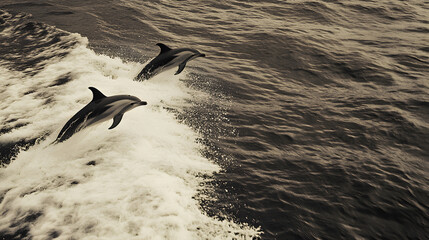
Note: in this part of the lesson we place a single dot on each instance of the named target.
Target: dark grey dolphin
(167, 59)
(100, 109)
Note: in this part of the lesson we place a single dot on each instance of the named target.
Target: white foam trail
(137, 181)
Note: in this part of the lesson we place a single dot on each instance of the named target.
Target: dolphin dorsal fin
(163, 47)
(96, 94)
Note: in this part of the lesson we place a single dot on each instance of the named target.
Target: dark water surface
(316, 111)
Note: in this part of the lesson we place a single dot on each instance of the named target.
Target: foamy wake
(137, 181)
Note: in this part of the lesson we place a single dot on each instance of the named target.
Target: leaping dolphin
(167, 59)
(100, 109)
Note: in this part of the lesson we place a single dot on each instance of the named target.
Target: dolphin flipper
(116, 120)
(181, 67)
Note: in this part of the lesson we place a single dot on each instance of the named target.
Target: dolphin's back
(100, 109)
(158, 62)
(166, 59)
(74, 124)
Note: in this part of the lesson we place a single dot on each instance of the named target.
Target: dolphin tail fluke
(181, 67)
(116, 120)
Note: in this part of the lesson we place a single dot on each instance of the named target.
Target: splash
(137, 181)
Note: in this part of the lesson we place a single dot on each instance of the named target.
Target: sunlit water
(307, 120)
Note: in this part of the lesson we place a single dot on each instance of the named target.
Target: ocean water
(306, 120)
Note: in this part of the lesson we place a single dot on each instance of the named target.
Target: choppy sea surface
(306, 120)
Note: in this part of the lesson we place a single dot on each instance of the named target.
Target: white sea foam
(137, 181)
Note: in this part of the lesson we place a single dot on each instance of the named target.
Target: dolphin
(100, 109)
(167, 59)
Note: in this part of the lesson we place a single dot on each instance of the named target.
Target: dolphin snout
(202, 55)
(143, 103)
